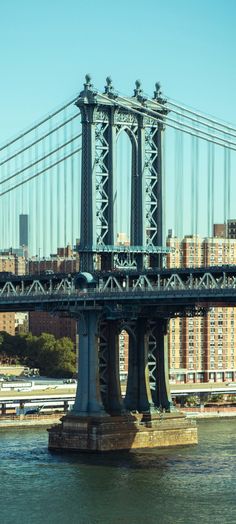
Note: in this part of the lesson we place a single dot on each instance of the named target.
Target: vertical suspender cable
(192, 185)
(44, 202)
(31, 206)
(128, 169)
(164, 189)
(72, 240)
(8, 231)
(225, 190)
(229, 181)
(194, 192)
(197, 187)
(179, 183)
(51, 243)
(65, 182)
(122, 184)
(58, 207)
(212, 183)
(226, 185)
(36, 220)
(229, 188)
(209, 194)
(176, 184)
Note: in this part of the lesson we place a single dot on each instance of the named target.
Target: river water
(188, 485)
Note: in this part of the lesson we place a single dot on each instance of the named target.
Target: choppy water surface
(182, 485)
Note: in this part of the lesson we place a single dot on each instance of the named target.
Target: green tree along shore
(54, 357)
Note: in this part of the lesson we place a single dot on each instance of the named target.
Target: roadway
(56, 393)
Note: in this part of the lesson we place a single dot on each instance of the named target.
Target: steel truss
(121, 282)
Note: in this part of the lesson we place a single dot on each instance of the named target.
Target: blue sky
(47, 47)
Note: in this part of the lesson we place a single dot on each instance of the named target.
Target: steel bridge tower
(104, 117)
(99, 408)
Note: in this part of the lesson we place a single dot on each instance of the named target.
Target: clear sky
(46, 47)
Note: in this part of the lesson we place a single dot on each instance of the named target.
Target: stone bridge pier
(104, 420)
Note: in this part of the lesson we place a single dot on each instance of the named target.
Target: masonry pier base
(124, 432)
(101, 419)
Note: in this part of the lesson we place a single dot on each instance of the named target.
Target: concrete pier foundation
(126, 432)
(101, 420)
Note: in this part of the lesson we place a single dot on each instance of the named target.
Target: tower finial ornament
(158, 96)
(88, 83)
(138, 92)
(138, 89)
(109, 89)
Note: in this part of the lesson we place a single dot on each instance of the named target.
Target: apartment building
(43, 322)
(203, 349)
(13, 264)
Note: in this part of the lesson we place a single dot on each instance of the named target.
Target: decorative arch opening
(125, 165)
(126, 336)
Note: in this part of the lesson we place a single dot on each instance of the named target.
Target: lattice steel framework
(103, 117)
(152, 361)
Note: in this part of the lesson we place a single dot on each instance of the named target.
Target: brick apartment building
(203, 349)
(14, 264)
(64, 261)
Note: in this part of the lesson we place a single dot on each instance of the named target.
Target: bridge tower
(104, 117)
(101, 419)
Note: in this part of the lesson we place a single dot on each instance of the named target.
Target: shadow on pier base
(129, 431)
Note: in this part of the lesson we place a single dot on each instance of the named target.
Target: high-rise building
(24, 231)
(203, 349)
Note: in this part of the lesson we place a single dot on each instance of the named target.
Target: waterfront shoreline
(30, 421)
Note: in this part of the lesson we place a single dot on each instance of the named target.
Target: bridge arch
(126, 161)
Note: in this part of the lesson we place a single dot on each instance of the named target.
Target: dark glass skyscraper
(24, 230)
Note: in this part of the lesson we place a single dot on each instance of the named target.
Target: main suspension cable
(39, 173)
(202, 116)
(38, 124)
(175, 124)
(40, 159)
(46, 135)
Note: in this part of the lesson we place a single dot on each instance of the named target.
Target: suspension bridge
(94, 168)
(40, 173)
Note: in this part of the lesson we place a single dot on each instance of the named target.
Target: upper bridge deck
(167, 289)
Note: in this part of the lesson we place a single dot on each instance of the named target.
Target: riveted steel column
(107, 258)
(88, 397)
(138, 396)
(88, 206)
(162, 394)
(87, 104)
(156, 260)
(138, 192)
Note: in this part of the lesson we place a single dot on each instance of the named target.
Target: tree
(54, 358)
